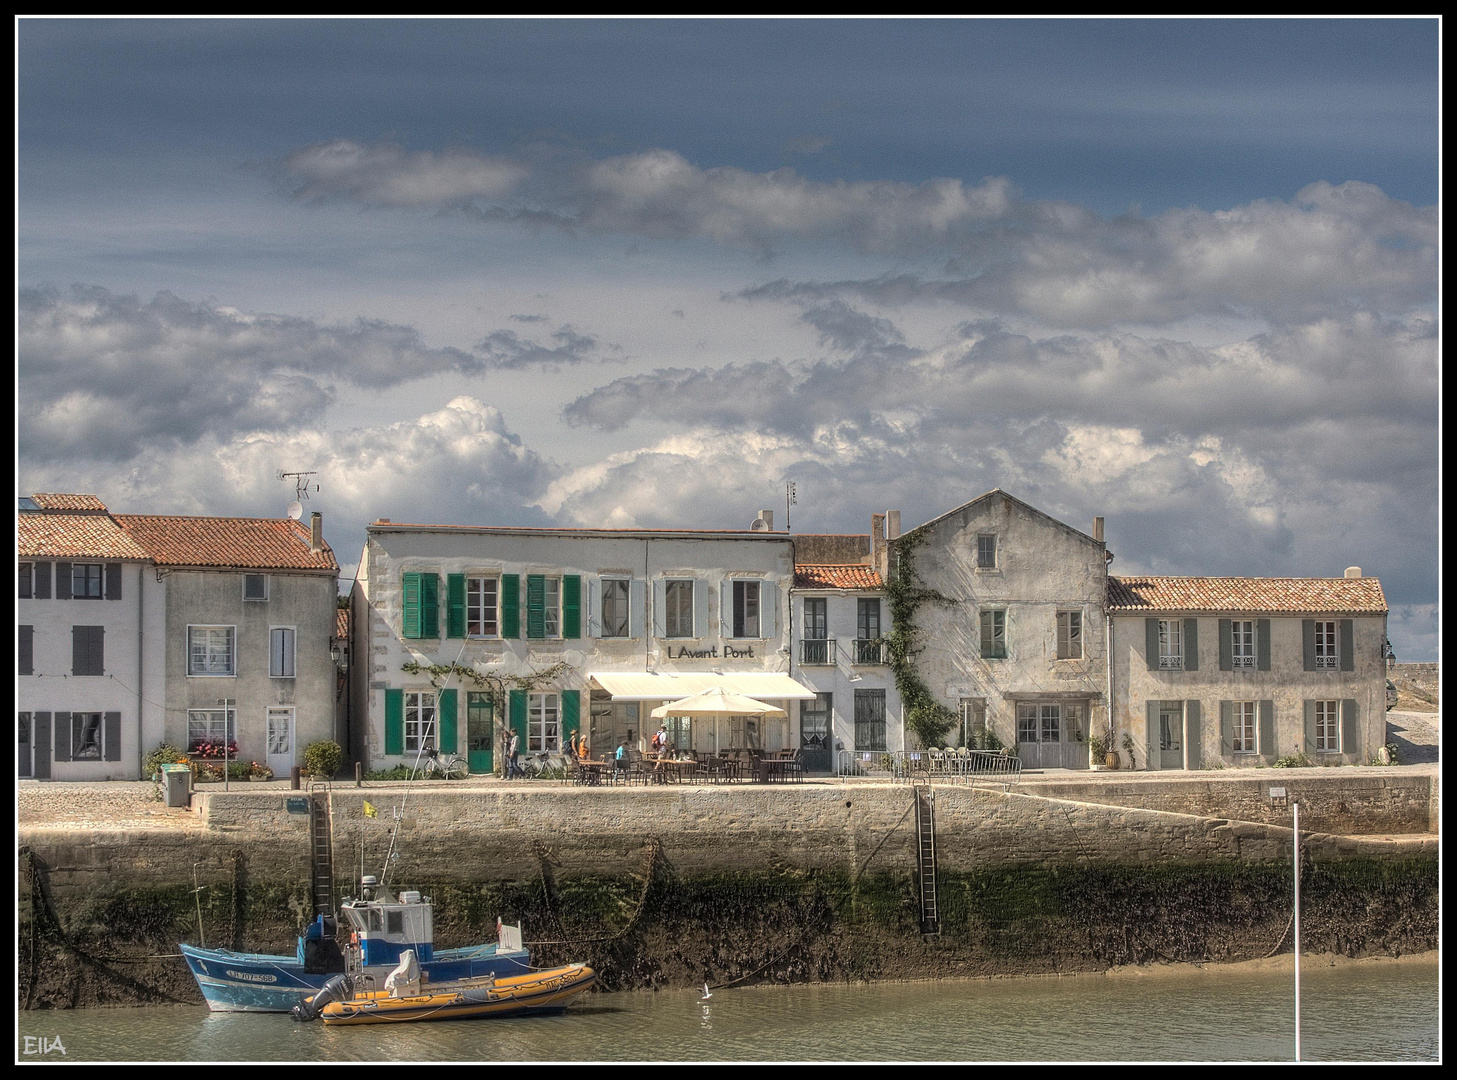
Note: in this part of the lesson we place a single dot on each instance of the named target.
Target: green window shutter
(455, 606)
(1151, 643)
(1194, 736)
(1307, 641)
(1191, 644)
(536, 605)
(571, 714)
(1348, 645)
(1226, 728)
(1153, 752)
(571, 605)
(518, 716)
(445, 717)
(394, 721)
(511, 609)
(1309, 727)
(430, 605)
(410, 605)
(1226, 644)
(1350, 727)
(1262, 644)
(1267, 728)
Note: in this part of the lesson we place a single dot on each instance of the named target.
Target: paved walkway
(1415, 735)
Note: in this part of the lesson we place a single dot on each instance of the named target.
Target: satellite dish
(295, 509)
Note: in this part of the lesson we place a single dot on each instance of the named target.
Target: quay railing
(936, 766)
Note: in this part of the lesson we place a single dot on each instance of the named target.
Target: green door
(479, 729)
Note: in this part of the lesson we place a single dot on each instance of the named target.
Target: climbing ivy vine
(495, 685)
(926, 718)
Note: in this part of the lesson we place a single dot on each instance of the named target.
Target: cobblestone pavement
(1415, 736)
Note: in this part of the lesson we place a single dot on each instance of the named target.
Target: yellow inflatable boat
(468, 999)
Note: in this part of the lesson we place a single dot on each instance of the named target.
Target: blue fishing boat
(380, 926)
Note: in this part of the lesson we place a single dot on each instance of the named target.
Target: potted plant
(322, 759)
(1097, 752)
(1128, 749)
(259, 771)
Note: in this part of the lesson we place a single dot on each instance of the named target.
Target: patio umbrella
(717, 703)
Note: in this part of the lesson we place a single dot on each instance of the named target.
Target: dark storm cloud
(507, 351)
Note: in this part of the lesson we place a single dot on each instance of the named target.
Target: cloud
(103, 375)
(386, 175)
(505, 350)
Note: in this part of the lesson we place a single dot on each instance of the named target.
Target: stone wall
(1419, 685)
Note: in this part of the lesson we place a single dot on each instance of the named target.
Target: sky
(1178, 273)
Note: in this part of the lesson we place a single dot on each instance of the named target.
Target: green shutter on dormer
(430, 605)
(571, 605)
(536, 605)
(455, 606)
(410, 605)
(511, 606)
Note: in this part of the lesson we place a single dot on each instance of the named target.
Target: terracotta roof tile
(55, 501)
(839, 576)
(1291, 596)
(73, 536)
(341, 624)
(249, 543)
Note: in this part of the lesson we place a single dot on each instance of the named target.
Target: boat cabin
(386, 927)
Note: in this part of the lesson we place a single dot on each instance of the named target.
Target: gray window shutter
(1191, 644)
(63, 586)
(1064, 646)
(1152, 752)
(40, 740)
(1193, 736)
(111, 751)
(1307, 641)
(86, 650)
(1309, 746)
(1350, 727)
(700, 608)
(41, 590)
(1151, 643)
(1226, 644)
(1267, 728)
(113, 581)
(768, 609)
(62, 728)
(726, 608)
(1348, 645)
(27, 650)
(1226, 728)
(636, 615)
(660, 608)
(1262, 644)
(594, 607)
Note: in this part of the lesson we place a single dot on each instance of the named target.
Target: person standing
(513, 757)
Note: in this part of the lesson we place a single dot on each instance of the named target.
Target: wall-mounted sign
(710, 653)
(298, 806)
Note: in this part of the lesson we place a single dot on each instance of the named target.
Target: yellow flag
(369, 810)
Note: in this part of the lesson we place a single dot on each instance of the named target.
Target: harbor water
(1378, 1010)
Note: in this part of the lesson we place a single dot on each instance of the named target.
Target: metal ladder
(926, 857)
(321, 853)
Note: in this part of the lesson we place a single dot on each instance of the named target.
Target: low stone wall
(1418, 684)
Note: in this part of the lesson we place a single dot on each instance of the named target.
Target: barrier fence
(951, 765)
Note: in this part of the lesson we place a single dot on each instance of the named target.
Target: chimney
(877, 543)
(767, 516)
(892, 524)
(316, 532)
(1098, 529)
(1353, 571)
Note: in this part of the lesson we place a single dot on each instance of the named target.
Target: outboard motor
(338, 988)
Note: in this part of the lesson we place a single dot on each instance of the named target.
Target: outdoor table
(592, 771)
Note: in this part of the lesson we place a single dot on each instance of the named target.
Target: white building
(465, 634)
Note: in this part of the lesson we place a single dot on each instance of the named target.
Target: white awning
(670, 686)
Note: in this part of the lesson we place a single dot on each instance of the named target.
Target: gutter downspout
(141, 652)
(1108, 650)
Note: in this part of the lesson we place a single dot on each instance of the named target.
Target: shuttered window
(87, 645)
(281, 652)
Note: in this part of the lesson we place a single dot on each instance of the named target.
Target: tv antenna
(789, 500)
(301, 487)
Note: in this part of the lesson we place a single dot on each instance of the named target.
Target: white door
(280, 740)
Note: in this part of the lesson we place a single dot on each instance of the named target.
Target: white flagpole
(1297, 931)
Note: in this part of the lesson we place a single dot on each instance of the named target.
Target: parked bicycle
(450, 767)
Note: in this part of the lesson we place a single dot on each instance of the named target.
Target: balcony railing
(870, 650)
(817, 652)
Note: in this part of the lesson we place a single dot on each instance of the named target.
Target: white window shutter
(660, 607)
(726, 608)
(594, 607)
(768, 609)
(700, 608)
(637, 606)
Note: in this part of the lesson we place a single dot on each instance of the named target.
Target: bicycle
(451, 767)
(535, 767)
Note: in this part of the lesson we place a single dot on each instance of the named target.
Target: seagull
(706, 994)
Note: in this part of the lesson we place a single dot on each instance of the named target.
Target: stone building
(1245, 671)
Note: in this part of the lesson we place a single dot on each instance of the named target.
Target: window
(210, 726)
(482, 606)
(974, 723)
(680, 732)
(552, 606)
(87, 644)
(615, 607)
(543, 606)
(86, 736)
(255, 586)
(814, 722)
(994, 634)
(746, 609)
(87, 581)
(1069, 635)
(210, 650)
(986, 551)
(1327, 725)
(1242, 643)
(1242, 713)
(27, 579)
(869, 719)
(1171, 644)
(1327, 648)
(1039, 722)
(280, 731)
(543, 728)
(280, 652)
(419, 720)
(678, 619)
(1171, 725)
(867, 631)
(815, 648)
